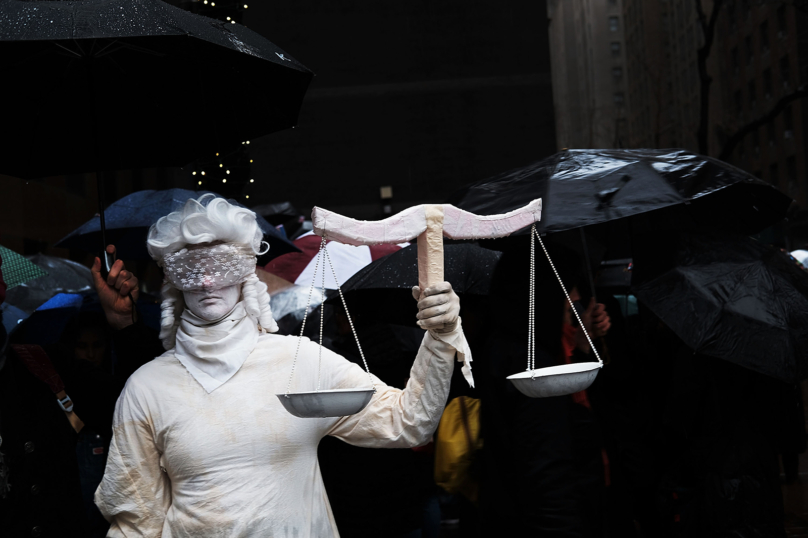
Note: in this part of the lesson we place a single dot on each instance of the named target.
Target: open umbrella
(63, 277)
(730, 297)
(662, 189)
(112, 84)
(347, 260)
(383, 289)
(16, 269)
(128, 221)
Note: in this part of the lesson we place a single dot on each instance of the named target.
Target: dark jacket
(39, 449)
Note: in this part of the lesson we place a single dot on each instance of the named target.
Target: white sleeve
(397, 418)
(134, 494)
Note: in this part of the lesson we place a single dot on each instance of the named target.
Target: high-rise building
(756, 60)
(761, 61)
(588, 55)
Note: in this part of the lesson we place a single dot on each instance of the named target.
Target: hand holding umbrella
(118, 292)
(596, 321)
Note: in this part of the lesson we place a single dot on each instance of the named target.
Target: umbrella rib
(69, 51)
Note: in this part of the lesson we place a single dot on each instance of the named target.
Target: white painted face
(212, 304)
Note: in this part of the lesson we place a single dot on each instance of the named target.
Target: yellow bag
(457, 440)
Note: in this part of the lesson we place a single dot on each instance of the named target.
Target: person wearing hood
(201, 444)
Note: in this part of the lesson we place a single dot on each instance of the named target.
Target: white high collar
(213, 351)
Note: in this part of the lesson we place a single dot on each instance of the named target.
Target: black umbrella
(110, 84)
(660, 188)
(730, 297)
(128, 221)
(383, 289)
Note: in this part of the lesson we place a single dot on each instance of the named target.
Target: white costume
(202, 447)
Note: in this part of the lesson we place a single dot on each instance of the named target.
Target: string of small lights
(229, 174)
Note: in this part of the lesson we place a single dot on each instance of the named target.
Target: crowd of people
(180, 433)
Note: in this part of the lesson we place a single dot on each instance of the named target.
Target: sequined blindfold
(209, 267)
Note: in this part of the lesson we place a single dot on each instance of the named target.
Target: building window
(782, 22)
(615, 48)
(756, 141)
(617, 73)
(764, 36)
(785, 74)
(767, 83)
(614, 24)
(774, 174)
(788, 123)
(619, 98)
(752, 94)
(750, 53)
(770, 133)
(738, 103)
(736, 62)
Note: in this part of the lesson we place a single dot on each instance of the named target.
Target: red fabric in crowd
(568, 348)
(289, 266)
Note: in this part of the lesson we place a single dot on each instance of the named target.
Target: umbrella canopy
(733, 298)
(128, 221)
(384, 288)
(16, 269)
(347, 260)
(112, 84)
(586, 187)
(63, 277)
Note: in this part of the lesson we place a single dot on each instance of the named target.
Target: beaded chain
(322, 319)
(531, 336)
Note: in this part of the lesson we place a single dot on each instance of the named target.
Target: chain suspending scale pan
(553, 380)
(429, 224)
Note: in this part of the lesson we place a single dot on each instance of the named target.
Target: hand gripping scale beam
(429, 224)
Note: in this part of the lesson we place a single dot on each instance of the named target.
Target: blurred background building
(755, 62)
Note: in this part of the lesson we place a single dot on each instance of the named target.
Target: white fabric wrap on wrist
(457, 340)
(208, 267)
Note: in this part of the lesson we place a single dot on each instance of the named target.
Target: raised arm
(134, 494)
(397, 418)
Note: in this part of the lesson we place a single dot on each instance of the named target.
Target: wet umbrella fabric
(346, 259)
(384, 288)
(113, 84)
(663, 188)
(733, 298)
(63, 277)
(17, 269)
(128, 221)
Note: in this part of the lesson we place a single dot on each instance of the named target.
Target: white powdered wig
(208, 220)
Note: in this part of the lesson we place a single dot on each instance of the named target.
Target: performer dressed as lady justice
(201, 445)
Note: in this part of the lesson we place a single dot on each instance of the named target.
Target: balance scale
(429, 224)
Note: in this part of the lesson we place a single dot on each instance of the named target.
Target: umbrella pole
(607, 357)
(589, 273)
(100, 189)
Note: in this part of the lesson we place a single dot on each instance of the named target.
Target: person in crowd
(40, 483)
(543, 464)
(363, 507)
(201, 443)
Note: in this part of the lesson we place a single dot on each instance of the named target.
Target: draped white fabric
(188, 463)
(213, 351)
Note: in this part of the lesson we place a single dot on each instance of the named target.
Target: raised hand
(118, 293)
(438, 307)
